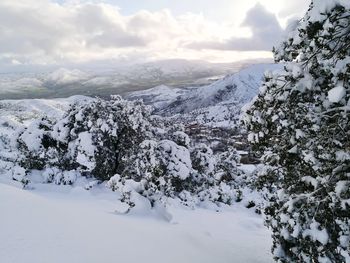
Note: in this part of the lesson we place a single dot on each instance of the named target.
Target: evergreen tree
(300, 124)
(95, 137)
(102, 134)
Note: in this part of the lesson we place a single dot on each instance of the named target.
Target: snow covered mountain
(217, 104)
(117, 79)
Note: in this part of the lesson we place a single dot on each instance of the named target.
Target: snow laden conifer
(300, 124)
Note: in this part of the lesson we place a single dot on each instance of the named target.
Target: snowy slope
(160, 97)
(21, 112)
(218, 103)
(69, 224)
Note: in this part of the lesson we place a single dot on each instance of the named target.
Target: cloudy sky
(56, 32)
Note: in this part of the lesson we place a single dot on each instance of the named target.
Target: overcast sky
(50, 32)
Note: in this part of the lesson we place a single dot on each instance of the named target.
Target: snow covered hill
(216, 104)
(23, 112)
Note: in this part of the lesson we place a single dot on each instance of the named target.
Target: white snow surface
(336, 94)
(29, 109)
(70, 224)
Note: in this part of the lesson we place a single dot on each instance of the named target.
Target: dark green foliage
(303, 133)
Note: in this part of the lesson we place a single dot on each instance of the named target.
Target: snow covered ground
(70, 224)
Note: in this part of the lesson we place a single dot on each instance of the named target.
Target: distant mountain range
(64, 82)
(216, 104)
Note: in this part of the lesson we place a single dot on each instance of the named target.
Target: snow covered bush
(300, 123)
(163, 169)
(120, 142)
(101, 134)
(38, 148)
(180, 138)
(203, 159)
(227, 164)
(94, 137)
(158, 169)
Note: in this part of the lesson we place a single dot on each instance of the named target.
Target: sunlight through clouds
(58, 32)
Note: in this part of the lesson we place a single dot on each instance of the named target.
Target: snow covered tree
(158, 169)
(101, 134)
(227, 164)
(37, 147)
(203, 159)
(95, 137)
(300, 124)
(163, 169)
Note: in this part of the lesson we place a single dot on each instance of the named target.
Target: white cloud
(266, 32)
(45, 32)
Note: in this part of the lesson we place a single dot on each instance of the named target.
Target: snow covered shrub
(163, 169)
(181, 138)
(300, 122)
(227, 164)
(53, 174)
(203, 159)
(94, 137)
(162, 164)
(19, 174)
(101, 134)
(38, 149)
